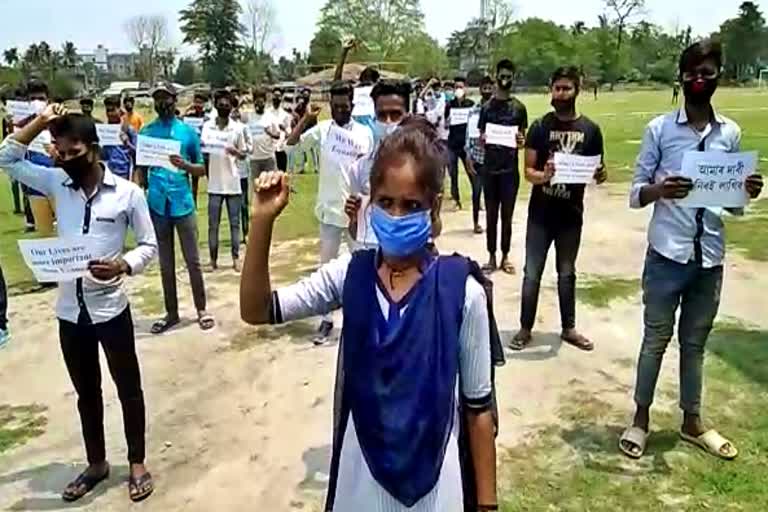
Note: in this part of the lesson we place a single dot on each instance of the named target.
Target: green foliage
(425, 57)
(325, 46)
(746, 42)
(186, 73)
(214, 27)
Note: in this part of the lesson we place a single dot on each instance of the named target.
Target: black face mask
(341, 118)
(224, 112)
(276, 102)
(564, 106)
(699, 92)
(76, 168)
(165, 110)
(486, 96)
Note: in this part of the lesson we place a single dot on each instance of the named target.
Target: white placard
(59, 259)
(195, 122)
(576, 169)
(343, 146)
(20, 110)
(363, 102)
(365, 233)
(216, 142)
(473, 128)
(718, 178)
(41, 143)
(459, 116)
(154, 152)
(109, 134)
(500, 135)
(256, 128)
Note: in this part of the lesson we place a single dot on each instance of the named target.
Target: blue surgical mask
(381, 130)
(400, 237)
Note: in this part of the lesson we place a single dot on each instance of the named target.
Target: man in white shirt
(92, 202)
(265, 131)
(284, 119)
(224, 140)
(340, 141)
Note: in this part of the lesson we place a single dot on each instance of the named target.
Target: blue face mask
(381, 130)
(400, 237)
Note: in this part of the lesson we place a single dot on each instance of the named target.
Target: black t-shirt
(561, 204)
(511, 112)
(457, 134)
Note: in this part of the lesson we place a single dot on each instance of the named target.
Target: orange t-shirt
(135, 120)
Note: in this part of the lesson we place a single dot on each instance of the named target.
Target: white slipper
(637, 437)
(711, 442)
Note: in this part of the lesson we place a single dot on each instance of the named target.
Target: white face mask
(460, 92)
(38, 105)
(384, 129)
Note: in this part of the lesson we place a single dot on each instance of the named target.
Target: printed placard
(459, 116)
(344, 146)
(500, 135)
(20, 110)
(195, 122)
(473, 126)
(575, 169)
(363, 102)
(154, 152)
(256, 128)
(718, 178)
(109, 134)
(216, 142)
(59, 259)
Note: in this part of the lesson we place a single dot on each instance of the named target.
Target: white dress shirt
(112, 208)
(223, 170)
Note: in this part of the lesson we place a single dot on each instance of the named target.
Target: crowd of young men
(683, 265)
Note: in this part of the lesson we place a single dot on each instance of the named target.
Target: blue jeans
(234, 203)
(696, 290)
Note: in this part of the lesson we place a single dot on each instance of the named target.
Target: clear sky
(91, 22)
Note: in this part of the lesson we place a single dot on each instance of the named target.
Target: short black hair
(460, 79)
(505, 64)
(129, 98)
(393, 88)
(112, 102)
(276, 90)
(86, 101)
(370, 75)
(341, 88)
(700, 51)
(448, 83)
(571, 73)
(221, 94)
(77, 127)
(486, 80)
(201, 95)
(259, 92)
(36, 86)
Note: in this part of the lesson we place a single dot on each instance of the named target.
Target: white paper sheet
(718, 178)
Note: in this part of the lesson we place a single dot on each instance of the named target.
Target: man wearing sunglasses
(684, 262)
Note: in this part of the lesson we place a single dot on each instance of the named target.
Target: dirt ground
(242, 416)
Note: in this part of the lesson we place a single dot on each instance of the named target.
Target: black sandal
(520, 342)
(140, 488)
(82, 485)
(164, 325)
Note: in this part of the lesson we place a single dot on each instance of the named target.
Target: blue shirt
(169, 192)
(119, 159)
(673, 227)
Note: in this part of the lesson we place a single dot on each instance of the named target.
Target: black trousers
(245, 211)
(17, 196)
(500, 196)
(80, 346)
(3, 302)
(282, 160)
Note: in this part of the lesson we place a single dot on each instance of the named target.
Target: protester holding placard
(119, 158)
(92, 202)
(501, 169)
(555, 212)
(456, 118)
(264, 128)
(196, 116)
(173, 207)
(684, 262)
(244, 170)
(283, 119)
(224, 175)
(340, 142)
(476, 151)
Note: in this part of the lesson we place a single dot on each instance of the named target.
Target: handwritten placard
(41, 143)
(154, 152)
(59, 259)
(343, 146)
(20, 110)
(459, 116)
(363, 102)
(500, 135)
(256, 128)
(473, 128)
(195, 122)
(575, 169)
(718, 178)
(215, 142)
(109, 134)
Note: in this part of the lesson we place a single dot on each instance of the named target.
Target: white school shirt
(223, 171)
(244, 166)
(283, 119)
(357, 489)
(115, 206)
(263, 145)
(334, 184)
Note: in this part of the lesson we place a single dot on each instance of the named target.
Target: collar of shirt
(682, 117)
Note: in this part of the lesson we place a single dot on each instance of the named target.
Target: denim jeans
(215, 202)
(3, 302)
(500, 196)
(696, 290)
(538, 239)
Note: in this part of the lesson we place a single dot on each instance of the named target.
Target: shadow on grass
(600, 291)
(744, 349)
(249, 337)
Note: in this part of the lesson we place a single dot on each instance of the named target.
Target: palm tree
(69, 56)
(11, 56)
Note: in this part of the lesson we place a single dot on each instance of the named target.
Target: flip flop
(206, 322)
(508, 268)
(713, 443)
(164, 325)
(635, 436)
(581, 342)
(520, 342)
(82, 485)
(488, 268)
(140, 488)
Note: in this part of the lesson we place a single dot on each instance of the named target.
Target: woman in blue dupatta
(415, 360)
